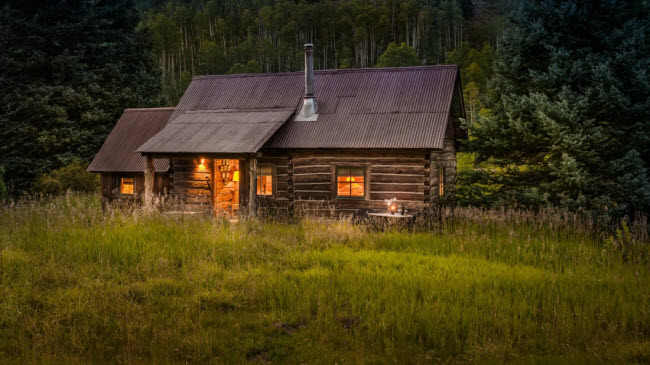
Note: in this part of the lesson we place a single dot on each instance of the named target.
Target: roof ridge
(327, 71)
(149, 109)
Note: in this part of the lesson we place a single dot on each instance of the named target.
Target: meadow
(81, 285)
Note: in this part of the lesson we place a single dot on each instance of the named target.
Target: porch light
(201, 164)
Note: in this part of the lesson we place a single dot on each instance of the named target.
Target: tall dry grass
(78, 285)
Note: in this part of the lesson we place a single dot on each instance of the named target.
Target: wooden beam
(252, 186)
(229, 156)
(149, 175)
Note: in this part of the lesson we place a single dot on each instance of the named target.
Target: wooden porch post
(149, 175)
(252, 186)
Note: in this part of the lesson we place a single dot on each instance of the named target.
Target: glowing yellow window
(441, 181)
(350, 182)
(126, 185)
(265, 181)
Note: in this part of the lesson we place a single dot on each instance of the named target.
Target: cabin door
(226, 187)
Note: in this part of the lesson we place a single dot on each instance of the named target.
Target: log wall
(192, 183)
(445, 159)
(306, 178)
(281, 198)
(110, 185)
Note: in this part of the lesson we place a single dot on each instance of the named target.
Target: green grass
(79, 285)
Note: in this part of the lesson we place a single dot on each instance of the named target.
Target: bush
(487, 188)
(72, 177)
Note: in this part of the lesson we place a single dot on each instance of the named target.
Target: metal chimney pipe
(309, 70)
(309, 106)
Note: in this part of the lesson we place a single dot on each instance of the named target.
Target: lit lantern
(393, 208)
(201, 164)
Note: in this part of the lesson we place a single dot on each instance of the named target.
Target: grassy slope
(77, 284)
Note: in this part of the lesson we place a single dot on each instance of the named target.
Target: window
(265, 180)
(441, 180)
(126, 185)
(350, 182)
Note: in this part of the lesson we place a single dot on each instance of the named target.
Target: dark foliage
(67, 69)
(3, 187)
(73, 177)
(569, 107)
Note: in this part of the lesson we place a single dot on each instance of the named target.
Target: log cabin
(122, 168)
(337, 140)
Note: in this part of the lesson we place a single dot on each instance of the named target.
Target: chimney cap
(308, 46)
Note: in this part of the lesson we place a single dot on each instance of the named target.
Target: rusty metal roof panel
(217, 131)
(404, 107)
(135, 126)
(425, 130)
(250, 91)
(401, 107)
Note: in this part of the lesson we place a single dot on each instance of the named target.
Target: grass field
(78, 285)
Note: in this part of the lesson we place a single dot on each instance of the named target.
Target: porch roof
(217, 131)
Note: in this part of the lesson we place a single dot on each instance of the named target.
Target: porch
(224, 184)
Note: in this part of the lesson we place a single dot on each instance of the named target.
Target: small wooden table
(383, 221)
(388, 215)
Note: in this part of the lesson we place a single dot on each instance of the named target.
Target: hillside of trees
(215, 37)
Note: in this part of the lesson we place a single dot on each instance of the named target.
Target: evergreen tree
(68, 68)
(398, 56)
(569, 106)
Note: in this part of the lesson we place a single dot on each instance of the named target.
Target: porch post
(252, 186)
(149, 174)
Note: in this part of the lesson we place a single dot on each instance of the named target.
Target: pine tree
(569, 106)
(68, 69)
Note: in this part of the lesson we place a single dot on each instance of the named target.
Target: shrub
(72, 177)
(49, 185)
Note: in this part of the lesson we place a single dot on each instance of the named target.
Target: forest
(556, 92)
(214, 37)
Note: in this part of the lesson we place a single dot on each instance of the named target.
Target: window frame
(441, 181)
(366, 180)
(122, 184)
(274, 179)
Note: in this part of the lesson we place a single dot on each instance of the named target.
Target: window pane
(265, 181)
(350, 182)
(343, 189)
(441, 181)
(343, 178)
(342, 171)
(357, 179)
(266, 171)
(356, 172)
(357, 189)
(126, 185)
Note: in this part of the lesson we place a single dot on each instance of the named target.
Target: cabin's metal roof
(400, 107)
(217, 131)
(135, 126)
(405, 107)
